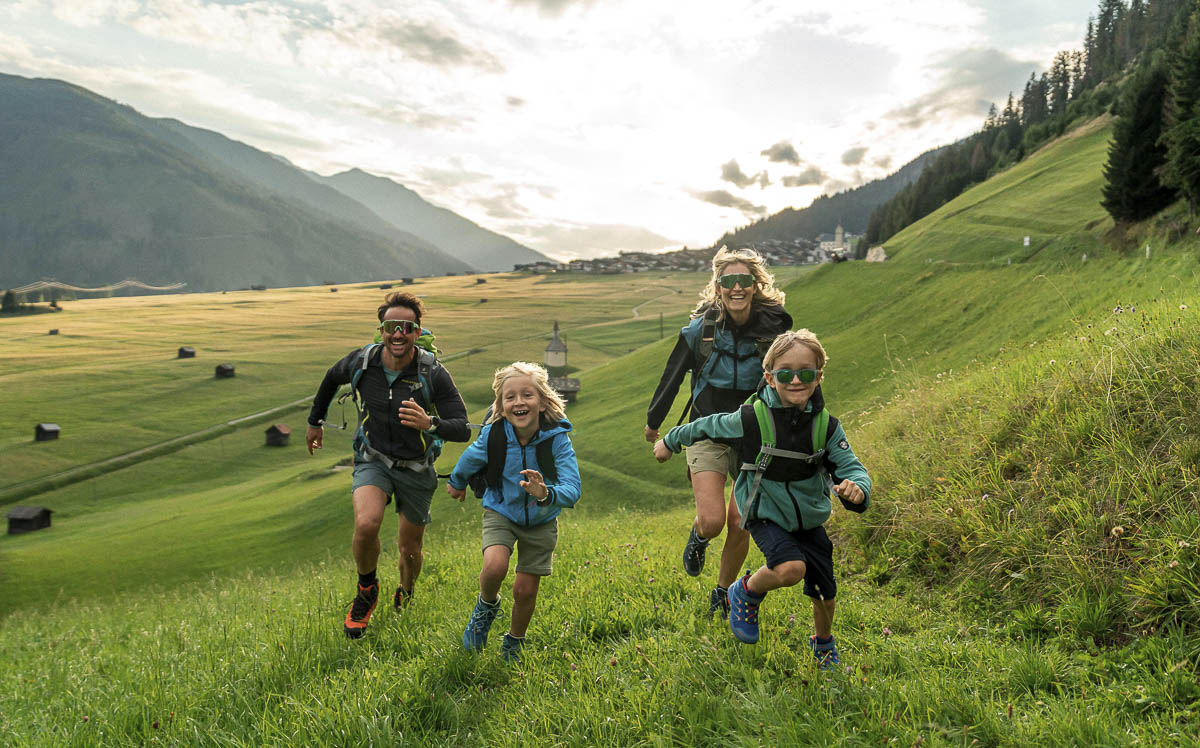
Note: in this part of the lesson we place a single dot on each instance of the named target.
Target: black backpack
(497, 448)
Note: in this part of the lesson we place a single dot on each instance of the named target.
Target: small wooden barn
(406, 281)
(186, 351)
(568, 387)
(224, 371)
(28, 518)
(44, 432)
(278, 434)
(54, 331)
(480, 281)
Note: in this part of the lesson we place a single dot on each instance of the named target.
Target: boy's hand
(455, 493)
(534, 484)
(313, 438)
(651, 434)
(662, 452)
(850, 491)
(413, 415)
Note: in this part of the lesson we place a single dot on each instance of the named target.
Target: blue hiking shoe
(718, 602)
(693, 554)
(476, 633)
(510, 648)
(743, 611)
(825, 653)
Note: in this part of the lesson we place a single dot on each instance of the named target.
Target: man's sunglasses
(745, 280)
(806, 376)
(405, 326)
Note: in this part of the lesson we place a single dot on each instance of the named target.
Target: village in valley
(835, 247)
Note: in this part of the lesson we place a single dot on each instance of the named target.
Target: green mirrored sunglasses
(405, 326)
(807, 376)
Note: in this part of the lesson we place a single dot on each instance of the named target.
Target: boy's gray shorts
(535, 545)
(412, 489)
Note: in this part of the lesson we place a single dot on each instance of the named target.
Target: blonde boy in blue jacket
(785, 508)
(521, 509)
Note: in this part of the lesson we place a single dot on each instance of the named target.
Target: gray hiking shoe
(693, 554)
(476, 633)
(510, 648)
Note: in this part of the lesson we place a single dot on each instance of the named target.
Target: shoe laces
(480, 618)
(363, 602)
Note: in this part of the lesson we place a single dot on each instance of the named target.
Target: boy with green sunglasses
(793, 454)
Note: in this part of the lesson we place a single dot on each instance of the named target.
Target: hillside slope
(94, 192)
(405, 209)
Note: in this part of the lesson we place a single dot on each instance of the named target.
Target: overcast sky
(578, 127)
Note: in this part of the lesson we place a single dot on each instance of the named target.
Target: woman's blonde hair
(784, 342)
(765, 291)
(556, 408)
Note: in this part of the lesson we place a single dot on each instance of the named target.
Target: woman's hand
(651, 434)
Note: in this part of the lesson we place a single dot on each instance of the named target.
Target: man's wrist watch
(434, 422)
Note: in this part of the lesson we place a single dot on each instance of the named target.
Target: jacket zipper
(524, 467)
(795, 505)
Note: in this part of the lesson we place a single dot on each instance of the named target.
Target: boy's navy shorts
(813, 547)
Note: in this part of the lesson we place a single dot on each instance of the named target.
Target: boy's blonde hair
(556, 407)
(765, 291)
(784, 343)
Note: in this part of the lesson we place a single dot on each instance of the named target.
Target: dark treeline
(1080, 84)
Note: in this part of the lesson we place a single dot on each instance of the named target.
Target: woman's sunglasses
(806, 376)
(745, 280)
(405, 326)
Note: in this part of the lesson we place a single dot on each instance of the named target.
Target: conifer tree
(1182, 136)
(1133, 190)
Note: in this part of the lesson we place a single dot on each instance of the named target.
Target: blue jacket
(511, 500)
(791, 504)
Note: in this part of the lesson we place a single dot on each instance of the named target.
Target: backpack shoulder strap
(497, 452)
(544, 451)
(820, 433)
(426, 361)
(367, 351)
(708, 333)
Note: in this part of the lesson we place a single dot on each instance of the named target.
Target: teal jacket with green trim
(798, 503)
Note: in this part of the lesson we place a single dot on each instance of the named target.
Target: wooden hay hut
(568, 387)
(480, 281)
(384, 286)
(44, 432)
(278, 434)
(186, 351)
(406, 281)
(28, 518)
(333, 290)
(54, 331)
(224, 371)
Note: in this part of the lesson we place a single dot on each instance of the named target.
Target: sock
(699, 537)
(368, 579)
(492, 604)
(514, 638)
(822, 640)
(723, 589)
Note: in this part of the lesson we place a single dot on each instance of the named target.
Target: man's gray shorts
(412, 489)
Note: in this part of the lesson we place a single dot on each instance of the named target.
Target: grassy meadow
(1027, 573)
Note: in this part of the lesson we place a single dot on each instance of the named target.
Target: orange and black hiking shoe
(361, 609)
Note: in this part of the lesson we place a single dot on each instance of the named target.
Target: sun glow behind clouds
(571, 117)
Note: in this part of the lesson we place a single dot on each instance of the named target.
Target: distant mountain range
(94, 192)
(852, 208)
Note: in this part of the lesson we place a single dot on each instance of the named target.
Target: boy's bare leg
(786, 574)
(495, 568)
(823, 617)
(525, 590)
(737, 545)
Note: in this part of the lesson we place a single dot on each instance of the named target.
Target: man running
(408, 403)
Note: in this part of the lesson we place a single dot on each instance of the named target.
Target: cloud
(504, 203)
(551, 7)
(782, 153)
(854, 156)
(731, 172)
(514, 102)
(569, 240)
(810, 176)
(433, 46)
(724, 199)
(883, 162)
(968, 82)
(763, 180)
(403, 113)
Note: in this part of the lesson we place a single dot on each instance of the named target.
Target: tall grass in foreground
(620, 653)
(1060, 486)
